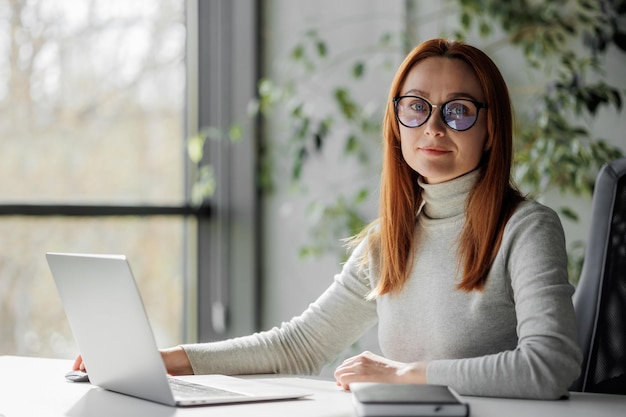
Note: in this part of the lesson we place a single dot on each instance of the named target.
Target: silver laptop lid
(108, 320)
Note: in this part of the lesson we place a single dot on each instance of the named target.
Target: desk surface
(36, 387)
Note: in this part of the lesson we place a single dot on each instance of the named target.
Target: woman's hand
(369, 367)
(78, 364)
(175, 359)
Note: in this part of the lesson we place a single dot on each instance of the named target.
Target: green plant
(203, 182)
(555, 150)
(310, 126)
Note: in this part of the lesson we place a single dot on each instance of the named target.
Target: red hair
(491, 203)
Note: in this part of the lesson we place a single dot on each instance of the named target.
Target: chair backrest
(600, 296)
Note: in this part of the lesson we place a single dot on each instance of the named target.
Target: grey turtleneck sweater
(515, 338)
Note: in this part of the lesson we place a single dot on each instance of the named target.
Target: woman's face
(434, 150)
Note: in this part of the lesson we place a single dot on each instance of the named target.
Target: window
(93, 158)
(97, 100)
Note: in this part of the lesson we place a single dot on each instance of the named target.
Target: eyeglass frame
(479, 105)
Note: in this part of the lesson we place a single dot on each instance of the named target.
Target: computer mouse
(77, 376)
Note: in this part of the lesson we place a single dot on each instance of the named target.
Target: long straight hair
(492, 200)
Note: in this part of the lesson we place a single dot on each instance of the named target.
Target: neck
(447, 199)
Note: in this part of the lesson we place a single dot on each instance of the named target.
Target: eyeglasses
(459, 114)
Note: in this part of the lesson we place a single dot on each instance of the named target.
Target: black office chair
(600, 297)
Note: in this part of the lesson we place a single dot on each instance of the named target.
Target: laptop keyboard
(184, 389)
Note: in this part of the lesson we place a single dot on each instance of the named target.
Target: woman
(466, 278)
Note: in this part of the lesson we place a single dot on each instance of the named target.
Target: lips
(434, 150)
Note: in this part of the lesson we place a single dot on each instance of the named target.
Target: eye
(458, 109)
(419, 106)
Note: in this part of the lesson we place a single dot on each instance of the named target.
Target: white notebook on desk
(373, 399)
(109, 323)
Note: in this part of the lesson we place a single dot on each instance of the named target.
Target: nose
(435, 126)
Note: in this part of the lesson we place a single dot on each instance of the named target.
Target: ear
(487, 145)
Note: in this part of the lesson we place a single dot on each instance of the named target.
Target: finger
(349, 366)
(78, 364)
(351, 371)
(359, 360)
(344, 380)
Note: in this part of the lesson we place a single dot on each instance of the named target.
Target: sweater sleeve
(304, 344)
(547, 358)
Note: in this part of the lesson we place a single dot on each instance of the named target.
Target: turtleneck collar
(447, 199)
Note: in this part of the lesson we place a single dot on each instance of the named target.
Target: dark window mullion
(81, 210)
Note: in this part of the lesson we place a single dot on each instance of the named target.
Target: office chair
(600, 297)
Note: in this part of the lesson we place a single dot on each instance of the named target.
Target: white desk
(36, 387)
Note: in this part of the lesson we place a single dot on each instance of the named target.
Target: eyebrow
(451, 96)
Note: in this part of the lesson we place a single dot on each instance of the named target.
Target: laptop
(110, 325)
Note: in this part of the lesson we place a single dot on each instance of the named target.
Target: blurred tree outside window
(92, 105)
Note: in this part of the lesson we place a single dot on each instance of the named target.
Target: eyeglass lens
(458, 114)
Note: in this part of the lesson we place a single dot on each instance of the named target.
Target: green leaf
(264, 87)
(587, 5)
(235, 133)
(204, 186)
(485, 29)
(362, 195)
(352, 144)
(358, 69)
(301, 155)
(297, 53)
(386, 39)
(322, 131)
(466, 20)
(195, 148)
(347, 106)
(322, 50)
(617, 98)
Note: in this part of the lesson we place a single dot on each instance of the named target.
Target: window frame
(228, 262)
